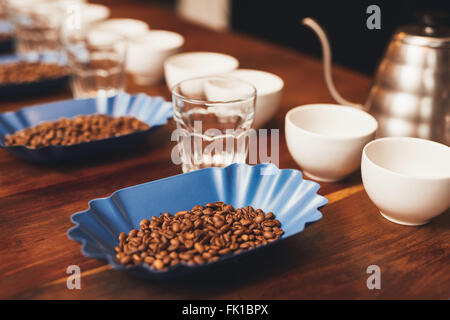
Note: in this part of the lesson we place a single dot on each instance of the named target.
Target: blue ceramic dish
(152, 110)
(26, 89)
(293, 200)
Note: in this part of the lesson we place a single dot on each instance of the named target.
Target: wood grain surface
(327, 260)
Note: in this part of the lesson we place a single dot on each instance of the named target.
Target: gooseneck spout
(326, 53)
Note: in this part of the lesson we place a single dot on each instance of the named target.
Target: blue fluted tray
(293, 200)
(26, 89)
(154, 111)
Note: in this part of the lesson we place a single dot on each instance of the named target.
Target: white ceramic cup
(327, 140)
(188, 65)
(408, 179)
(268, 86)
(15, 4)
(87, 13)
(127, 28)
(91, 13)
(146, 55)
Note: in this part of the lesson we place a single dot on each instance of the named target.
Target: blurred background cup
(127, 28)
(147, 53)
(135, 32)
(269, 87)
(78, 14)
(196, 64)
(97, 61)
(214, 115)
(37, 25)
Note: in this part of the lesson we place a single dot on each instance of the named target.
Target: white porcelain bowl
(327, 140)
(14, 4)
(146, 55)
(188, 65)
(88, 12)
(268, 87)
(70, 10)
(91, 13)
(408, 179)
(127, 28)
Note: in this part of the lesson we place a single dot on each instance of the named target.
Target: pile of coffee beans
(76, 130)
(198, 236)
(20, 72)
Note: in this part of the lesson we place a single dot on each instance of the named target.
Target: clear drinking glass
(97, 61)
(37, 26)
(214, 115)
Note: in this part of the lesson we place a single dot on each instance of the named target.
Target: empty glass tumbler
(36, 25)
(97, 61)
(214, 115)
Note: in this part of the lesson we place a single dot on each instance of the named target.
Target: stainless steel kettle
(410, 95)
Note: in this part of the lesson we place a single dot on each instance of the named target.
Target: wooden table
(328, 260)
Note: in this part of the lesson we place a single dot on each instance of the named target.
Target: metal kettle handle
(326, 52)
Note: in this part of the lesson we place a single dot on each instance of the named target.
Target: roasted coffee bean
(122, 236)
(198, 236)
(76, 130)
(173, 255)
(198, 223)
(189, 236)
(181, 213)
(132, 233)
(208, 211)
(224, 251)
(125, 260)
(198, 260)
(188, 244)
(137, 258)
(148, 260)
(144, 224)
(158, 264)
(245, 245)
(176, 227)
(269, 215)
(268, 235)
(206, 255)
(166, 260)
(198, 246)
(259, 218)
(184, 256)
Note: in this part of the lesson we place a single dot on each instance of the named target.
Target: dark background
(352, 43)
